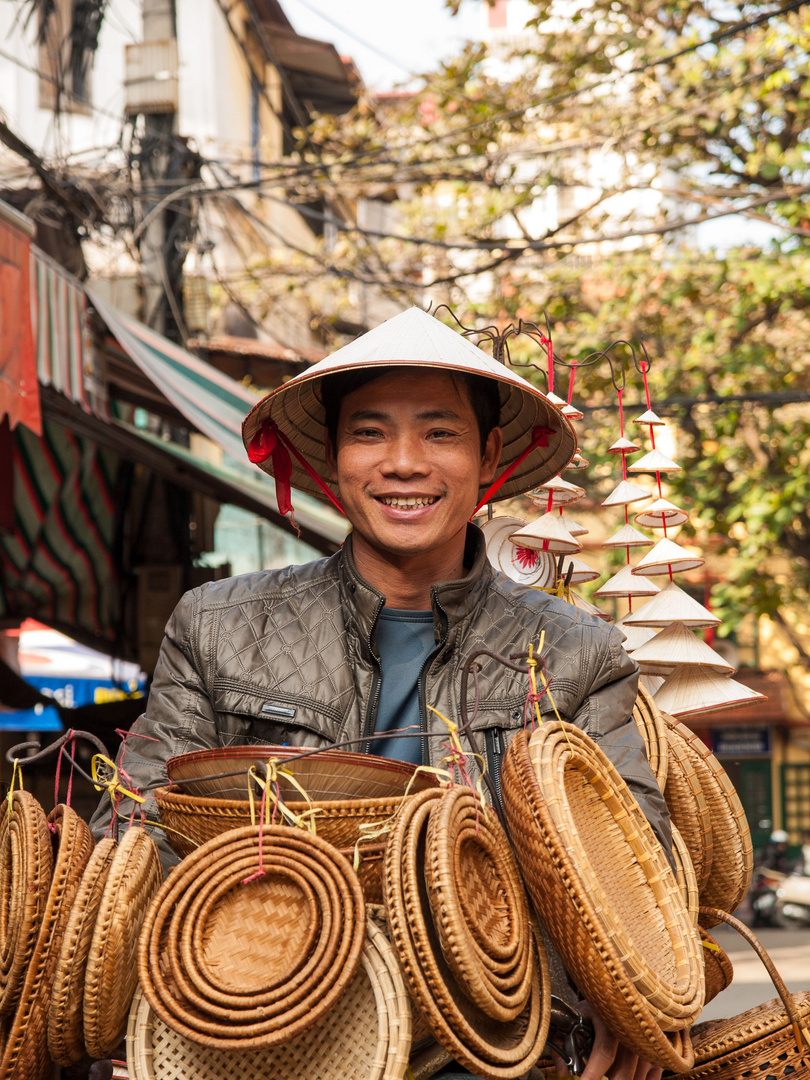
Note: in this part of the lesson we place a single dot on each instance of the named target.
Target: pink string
(571, 381)
(260, 872)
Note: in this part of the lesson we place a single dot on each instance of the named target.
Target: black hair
(483, 394)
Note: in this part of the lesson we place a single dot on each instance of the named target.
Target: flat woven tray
(688, 807)
(605, 891)
(112, 971)
(732, 859)
(685, 874)
(488, 1048)
(26, 865)
(650, 722)
(26, 1048)
(365, 1036)
(66, 1012)
(192, 820)
(241, 951)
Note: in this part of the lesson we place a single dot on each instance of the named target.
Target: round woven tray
(239, 964)
(111, 973)
(365, 1036)
(605, 891)
(192, 820)
(328, 776)
(26, 865)
(487, 1048)
(688, 807)
(66, 1012)
(26, 1048)
(732, 859)
(685, 874)
(650, 722)
(718, 970)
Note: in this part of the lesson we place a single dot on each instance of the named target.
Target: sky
(388, 40)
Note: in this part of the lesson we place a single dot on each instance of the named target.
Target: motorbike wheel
(790, 916)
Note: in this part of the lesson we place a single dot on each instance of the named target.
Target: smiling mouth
(409, 502)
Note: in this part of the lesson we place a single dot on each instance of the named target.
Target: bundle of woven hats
(72, 913)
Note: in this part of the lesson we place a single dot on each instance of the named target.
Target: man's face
(408, 461)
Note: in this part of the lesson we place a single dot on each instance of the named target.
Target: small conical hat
(627, 584)
(576, 462)
(546, 534)
(573, 527)
(623, 446)
(662, 510)
(581, 572)
(634, 636)
(651, 683)
(649, 417)
(555, 399)
(672, 605)
(675, 646)
(585, 605)
(655, 461)
(562, 492)
(689, 691)
(572, 412)
(625, 493)
(417, 341)
(627, 536)
(666, 557)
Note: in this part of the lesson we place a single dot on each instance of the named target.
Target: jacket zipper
(494, 743)
(374, 698)
(421, 687)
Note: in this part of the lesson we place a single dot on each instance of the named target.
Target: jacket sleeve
(179, 718)
(606, 714)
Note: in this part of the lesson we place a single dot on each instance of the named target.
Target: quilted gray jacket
(287, 656)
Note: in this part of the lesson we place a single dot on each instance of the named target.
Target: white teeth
(407, 504)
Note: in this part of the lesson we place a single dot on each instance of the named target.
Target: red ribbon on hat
(539, 438)
(270, 442)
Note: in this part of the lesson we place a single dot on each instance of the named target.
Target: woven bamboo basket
(650, 722)
(25, 1053)
(26, 865)
(717, 967)
(488, 1048)
(606, 893)
(768, 1042)
(732, 861)
(688, 807)
(685, 874)
(365, 1036)
(192, 820)
(246, 946)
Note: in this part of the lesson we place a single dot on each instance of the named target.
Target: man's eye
(441, 433)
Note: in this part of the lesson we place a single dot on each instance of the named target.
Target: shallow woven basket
(192, 820)
(768, 1042)
(328, 775)
(605, 891)
(365, 1036)
(111, 973)
(717, 967)
(685, 874)
(66, 1011)
(732, 859)
(245, 947)
(25, 1053)
(688, 807)
(26, 865)
(650, 722)
(488, 1048)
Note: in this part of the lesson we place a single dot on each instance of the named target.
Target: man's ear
(492, 455)
(331, 457)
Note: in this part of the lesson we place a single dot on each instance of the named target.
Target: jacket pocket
(251, 715)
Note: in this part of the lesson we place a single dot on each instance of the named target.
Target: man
(406, 428)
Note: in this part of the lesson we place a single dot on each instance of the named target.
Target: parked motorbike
(780, 899)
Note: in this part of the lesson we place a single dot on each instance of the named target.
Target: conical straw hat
(576, 462)
(623, 446)
(574, 527)
(651, 683)
(562, 492)
(672, 605)
(655, 461)
(690, 690)
(649, 417)
(581, 571)
(589, 608)
(504, 555)
(414, 339)
(662, 510)
(627, 536)
(675, 646)
(547, 534)
(634, 636)
(572, 412)
(625, 493)
(667, 557)
(625, 583)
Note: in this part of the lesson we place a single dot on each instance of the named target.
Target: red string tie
(269, 442)
(539, 438)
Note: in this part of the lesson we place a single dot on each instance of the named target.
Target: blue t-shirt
(404, 641)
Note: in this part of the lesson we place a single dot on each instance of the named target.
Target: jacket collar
(451, 601)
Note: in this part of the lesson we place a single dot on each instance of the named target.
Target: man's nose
(404, 456)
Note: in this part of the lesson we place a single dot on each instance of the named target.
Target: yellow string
(152, 824)
(712, 945)
(111, 785)
(457, 748)
(304, 820)
(408, 1074)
